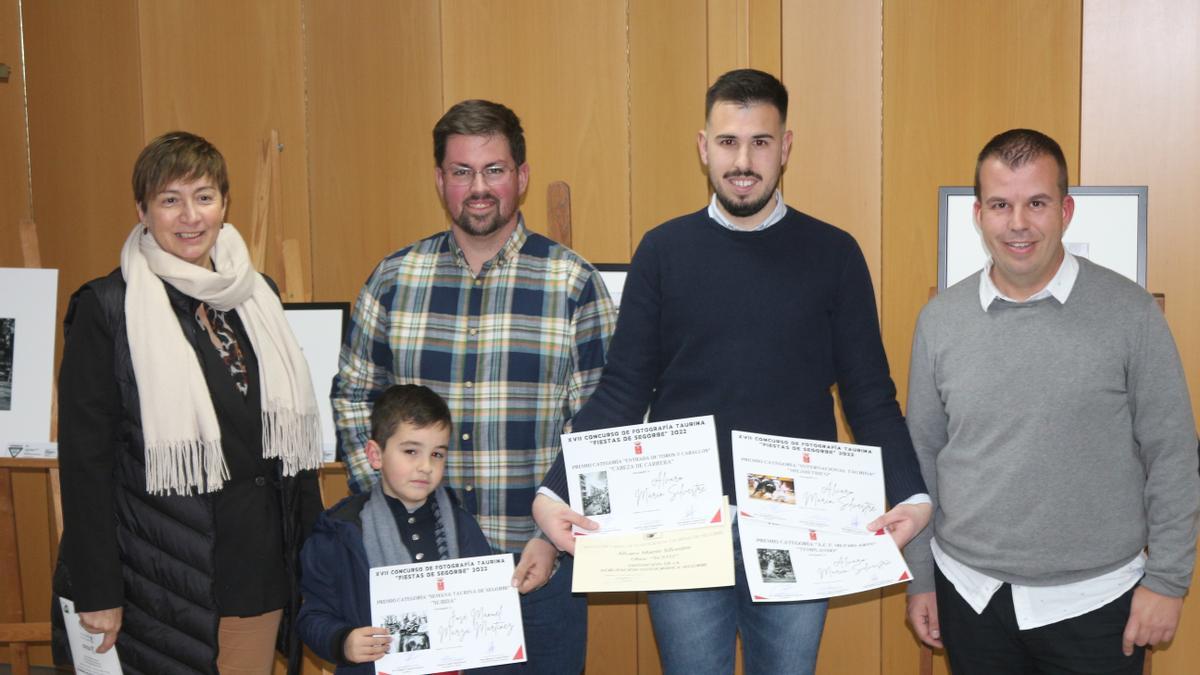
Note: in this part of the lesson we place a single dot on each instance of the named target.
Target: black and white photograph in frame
(319, 328)
(1108, 228)
(593, 490)
(412, 631)
(775, 565)
(28, 305)
(7, 333)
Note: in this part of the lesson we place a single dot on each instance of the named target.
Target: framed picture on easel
(319, 328)
(28, 300)
(1109, 228)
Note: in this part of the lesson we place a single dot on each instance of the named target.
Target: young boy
(407, 517)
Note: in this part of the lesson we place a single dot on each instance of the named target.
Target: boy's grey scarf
(381, 534)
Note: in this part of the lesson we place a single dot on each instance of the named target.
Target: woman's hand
(107, 621)
(369, 643)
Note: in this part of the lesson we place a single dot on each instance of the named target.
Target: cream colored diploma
(448, 615)
(700, 557)
(645, 477)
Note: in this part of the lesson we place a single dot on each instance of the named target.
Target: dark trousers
(991, 644)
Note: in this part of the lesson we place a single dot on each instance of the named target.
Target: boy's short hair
(414, 404)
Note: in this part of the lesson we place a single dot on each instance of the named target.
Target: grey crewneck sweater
(1056, 440)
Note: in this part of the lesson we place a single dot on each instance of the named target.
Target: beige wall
(889, 101)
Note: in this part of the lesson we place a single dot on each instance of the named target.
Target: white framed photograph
(28, 300)
(1109, 228)
(319, 327)
(614, 275)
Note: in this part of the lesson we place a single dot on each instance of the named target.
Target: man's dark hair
(1018, 147)
(413, 404)
(477, 117)
(177, 155)
(747, 87)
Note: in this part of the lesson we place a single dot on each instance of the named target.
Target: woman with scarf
(188, 438)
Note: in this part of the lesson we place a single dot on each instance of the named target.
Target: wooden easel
(288, 270)
(14, 630)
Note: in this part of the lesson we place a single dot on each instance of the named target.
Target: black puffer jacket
(157, 557)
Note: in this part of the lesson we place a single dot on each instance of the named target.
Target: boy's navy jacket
(334, 577)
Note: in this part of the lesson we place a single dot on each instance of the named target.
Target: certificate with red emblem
(645, 477)
(786, 563)
(448, 615)
(798, 482)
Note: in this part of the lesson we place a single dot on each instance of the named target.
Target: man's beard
(743, 209)
(481, 227)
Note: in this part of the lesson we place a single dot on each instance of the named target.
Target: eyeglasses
(462, 175)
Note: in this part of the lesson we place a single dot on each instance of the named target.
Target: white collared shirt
(776, 215)
(1059, 286)
(1037, 606)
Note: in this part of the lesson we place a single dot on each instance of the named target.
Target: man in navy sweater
(750, 311)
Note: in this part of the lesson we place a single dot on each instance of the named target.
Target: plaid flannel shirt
(515, 351)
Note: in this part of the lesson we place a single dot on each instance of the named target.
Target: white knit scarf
(179, 424)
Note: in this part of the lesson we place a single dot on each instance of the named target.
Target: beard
(484, 225)
(742, 209)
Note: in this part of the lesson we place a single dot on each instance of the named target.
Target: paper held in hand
(811, 484)
(700, 557)
(448, 615)
(803, 507)
(645, 477)
(84, 644)
(785, 563)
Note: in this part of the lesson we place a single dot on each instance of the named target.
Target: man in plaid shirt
(511, 329)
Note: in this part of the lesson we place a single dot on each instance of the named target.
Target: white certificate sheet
(448, 615)
(787, 563)
(645, 477)
(84, 644)
(811, 484)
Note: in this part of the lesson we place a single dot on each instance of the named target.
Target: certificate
(700, 557)
(84, 644)
(645, 477)
(786, 563)
(811, 484)
(448, 615)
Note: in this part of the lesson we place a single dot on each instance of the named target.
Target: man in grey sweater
(1050, 414)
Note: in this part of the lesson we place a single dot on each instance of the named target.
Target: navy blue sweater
(753, 328)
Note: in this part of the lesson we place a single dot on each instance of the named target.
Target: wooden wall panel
(85, 129)
(15, 201)
(561, 66)
(832, 69)
(371, 114)
(954, 75)
(232, 71)
(743, 34)
(667, 81)
(1140, 125)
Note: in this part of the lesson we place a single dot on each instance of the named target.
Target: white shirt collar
(1059, 287)
(775, 216)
